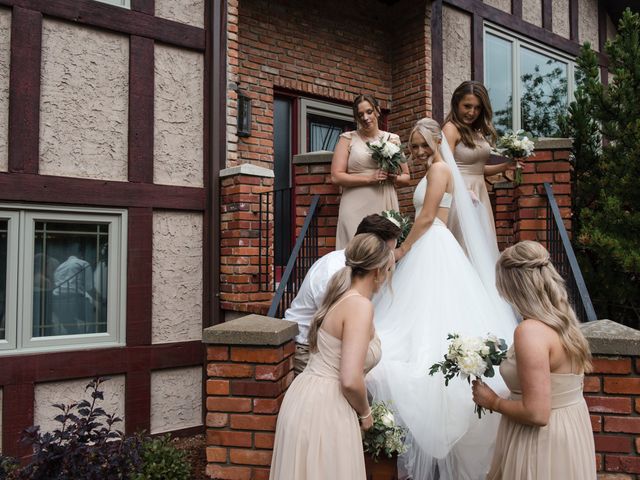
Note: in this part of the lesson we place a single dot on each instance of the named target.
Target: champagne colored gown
(318, 436)
(471, 162)
(358, 202)
(563, 449)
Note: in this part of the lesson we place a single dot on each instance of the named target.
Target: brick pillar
(313, 177)
(612, 393)
(521, 211)
(249, 367)
(240, 224)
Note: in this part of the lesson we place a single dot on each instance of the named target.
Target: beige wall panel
(5, 56)
(588, 23)
(177, 277)
(176, 399)
(560, 21)
(46, 394)
(532, 11)
(501, 4)
(178, 117)
(185, 11)
(84, 102)
(456, 55)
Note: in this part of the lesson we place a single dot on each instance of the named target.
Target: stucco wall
(5, 53)
(456, 55)
(178, 117)
(46, 394)
(184, 11)
(560, 22)
(177, 276)
(501, 4)
(176, 399)
(588, 23)
(532, 11)
(84, 102)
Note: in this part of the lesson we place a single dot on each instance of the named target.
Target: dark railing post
(564, 259)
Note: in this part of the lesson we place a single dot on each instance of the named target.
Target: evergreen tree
(607, 174)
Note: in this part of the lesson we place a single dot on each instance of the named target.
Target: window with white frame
(530, 86)
(62, 278)
(118, 3)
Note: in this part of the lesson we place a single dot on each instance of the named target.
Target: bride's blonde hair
(527, 279)
(365, 253)
(432, 134)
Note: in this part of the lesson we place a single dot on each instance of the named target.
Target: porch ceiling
(616, 7)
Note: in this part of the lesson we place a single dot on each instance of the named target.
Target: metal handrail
(564, 259)
(293, 273)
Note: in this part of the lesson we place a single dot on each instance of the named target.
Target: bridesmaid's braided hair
(527, 279)
(365, 253)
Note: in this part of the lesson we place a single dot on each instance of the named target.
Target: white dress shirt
(312, 291)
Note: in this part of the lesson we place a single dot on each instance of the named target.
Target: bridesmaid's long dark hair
(484, 122)
(364, 97)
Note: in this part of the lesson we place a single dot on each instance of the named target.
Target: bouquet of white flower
(404, 223)
(469, 356)
(515, 145)
(387, 155)
(385, 436)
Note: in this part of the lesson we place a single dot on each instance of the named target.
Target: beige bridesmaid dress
(562, 450)
(358, 202)
(471, 162)
(318, 435)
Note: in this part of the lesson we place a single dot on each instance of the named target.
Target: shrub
(161, 460)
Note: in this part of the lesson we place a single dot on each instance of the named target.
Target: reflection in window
(541, 84)
(70, 278)
(324, 132)
(4, 234)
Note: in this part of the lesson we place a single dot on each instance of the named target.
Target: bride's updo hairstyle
(527, 279)
(365, 253)
(432, 134)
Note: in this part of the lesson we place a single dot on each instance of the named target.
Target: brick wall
(520, 212)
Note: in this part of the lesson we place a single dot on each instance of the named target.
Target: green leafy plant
(402, 222)
(162, 460)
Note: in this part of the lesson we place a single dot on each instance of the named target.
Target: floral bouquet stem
(515, 145)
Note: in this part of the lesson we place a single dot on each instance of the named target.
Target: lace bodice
(419, 193)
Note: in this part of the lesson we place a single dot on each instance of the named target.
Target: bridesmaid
(365, 188)
(318, 434)
(545, 431)
(470, 133)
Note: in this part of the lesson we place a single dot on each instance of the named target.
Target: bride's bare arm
(437, 180)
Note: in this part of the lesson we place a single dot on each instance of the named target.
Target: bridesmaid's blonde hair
(365, 253)
(527, 279)
(432, 134)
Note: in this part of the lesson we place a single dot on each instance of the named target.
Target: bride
(437, 290)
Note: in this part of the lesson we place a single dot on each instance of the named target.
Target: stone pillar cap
(251, 330)
(610, 338)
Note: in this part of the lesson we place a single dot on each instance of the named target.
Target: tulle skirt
(436, 291)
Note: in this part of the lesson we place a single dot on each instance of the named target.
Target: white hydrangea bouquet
(471, 356)
(402, 222)
(385, 436)
(515, 145)
(387, 155)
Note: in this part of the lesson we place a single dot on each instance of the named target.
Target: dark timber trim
(516, 8)
(477, 48)
(574, 21)
(437, 63)
(547, 15)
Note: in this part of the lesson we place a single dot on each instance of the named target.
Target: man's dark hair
(380, 226)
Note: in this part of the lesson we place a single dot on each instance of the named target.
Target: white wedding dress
(435, 291)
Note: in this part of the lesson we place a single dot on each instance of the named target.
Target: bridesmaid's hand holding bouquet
(471, 356)
(385, 436)
(517, 146)
(387, 155)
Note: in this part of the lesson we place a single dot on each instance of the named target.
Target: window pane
(499, 81)
(70, 273)
(4, 233)
(324, 132)
(544, 98)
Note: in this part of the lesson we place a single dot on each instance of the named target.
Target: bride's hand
(483, 395)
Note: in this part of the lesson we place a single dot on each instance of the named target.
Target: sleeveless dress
(358, 202)
(564, 449)
(471, 162)
(318, 436)
(435, 291)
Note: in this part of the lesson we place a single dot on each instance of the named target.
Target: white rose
(472, 364)
(388, 420)
(390, 149)
(377, 143)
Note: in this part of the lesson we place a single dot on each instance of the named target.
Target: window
(529, 85)
(118, 3)
(321, 124)
(62, 278)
